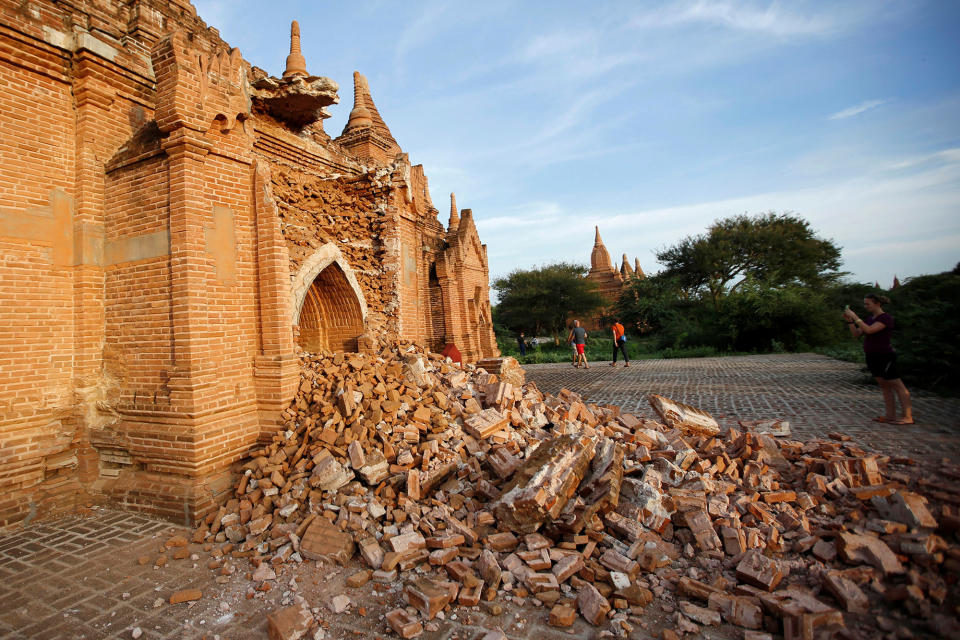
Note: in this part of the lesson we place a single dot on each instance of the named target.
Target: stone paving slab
(816, 394)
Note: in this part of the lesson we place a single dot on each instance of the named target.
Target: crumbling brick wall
(315, 210)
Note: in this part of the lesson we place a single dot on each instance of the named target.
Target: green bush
(926, 312)
(849, 352)
(791, 318)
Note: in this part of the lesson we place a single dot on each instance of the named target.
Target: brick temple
(609, 280)
(175, 224)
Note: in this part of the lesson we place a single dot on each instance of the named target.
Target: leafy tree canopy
(540, 300)
(771, 250)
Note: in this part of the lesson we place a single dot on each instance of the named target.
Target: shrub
(926, 311)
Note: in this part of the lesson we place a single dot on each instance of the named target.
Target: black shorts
(883, 365)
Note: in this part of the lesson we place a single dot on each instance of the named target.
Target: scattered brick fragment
(759, 571)
(592, 606)
(322, 539)
(428, 597)
(562, 616)
(185, 596)
(404, 624)
(290, 623)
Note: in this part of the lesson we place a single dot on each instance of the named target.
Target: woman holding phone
(881, 358)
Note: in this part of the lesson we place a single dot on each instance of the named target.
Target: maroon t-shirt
(879, 342)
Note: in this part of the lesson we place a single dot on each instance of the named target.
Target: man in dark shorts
(619, 342)
(578, 336)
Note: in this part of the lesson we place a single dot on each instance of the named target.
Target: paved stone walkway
(79, 577)
(816, 394)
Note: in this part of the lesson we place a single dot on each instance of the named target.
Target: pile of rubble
(462, 486)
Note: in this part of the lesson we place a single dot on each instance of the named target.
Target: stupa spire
(365, 112)
(454, 216)
(600, 257)
(360, 116)
(637, 270)
(296, 63)
(625, 269)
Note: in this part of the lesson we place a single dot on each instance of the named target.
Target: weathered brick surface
(165, 243)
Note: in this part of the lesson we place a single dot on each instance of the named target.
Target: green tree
(657, 304)
(540, 300)
(769, 250)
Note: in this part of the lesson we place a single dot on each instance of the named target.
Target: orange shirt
(617, 330)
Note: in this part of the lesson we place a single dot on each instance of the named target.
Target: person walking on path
(881, 358)
(578, 336)
(619, 342)
(522, 343)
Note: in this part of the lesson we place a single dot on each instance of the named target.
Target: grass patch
(852, 352)
(601, 350)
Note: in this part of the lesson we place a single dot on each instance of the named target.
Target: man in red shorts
(578, 336)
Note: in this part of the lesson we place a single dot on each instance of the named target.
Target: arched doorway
(327, 303)
(331, 317)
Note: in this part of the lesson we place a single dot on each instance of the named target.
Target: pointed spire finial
(360, 116)
(365, 112)
(637, 270)
(625, 269)
(454, 217)
(600, 258)
(296, 63)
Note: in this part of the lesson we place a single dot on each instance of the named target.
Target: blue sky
(652, 119)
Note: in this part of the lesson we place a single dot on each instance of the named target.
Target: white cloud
(949, 242)
(529, 214)
(948, 156)
(579, 54)
(558, 43)
(857, 109)
(768, 18)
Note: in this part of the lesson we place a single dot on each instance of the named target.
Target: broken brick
(290, 623)
(186, 595)
(760, 571)
(562, 615)
(592, 606)
(405, 625)
(323, 539)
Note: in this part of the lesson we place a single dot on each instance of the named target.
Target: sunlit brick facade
(174, 225)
